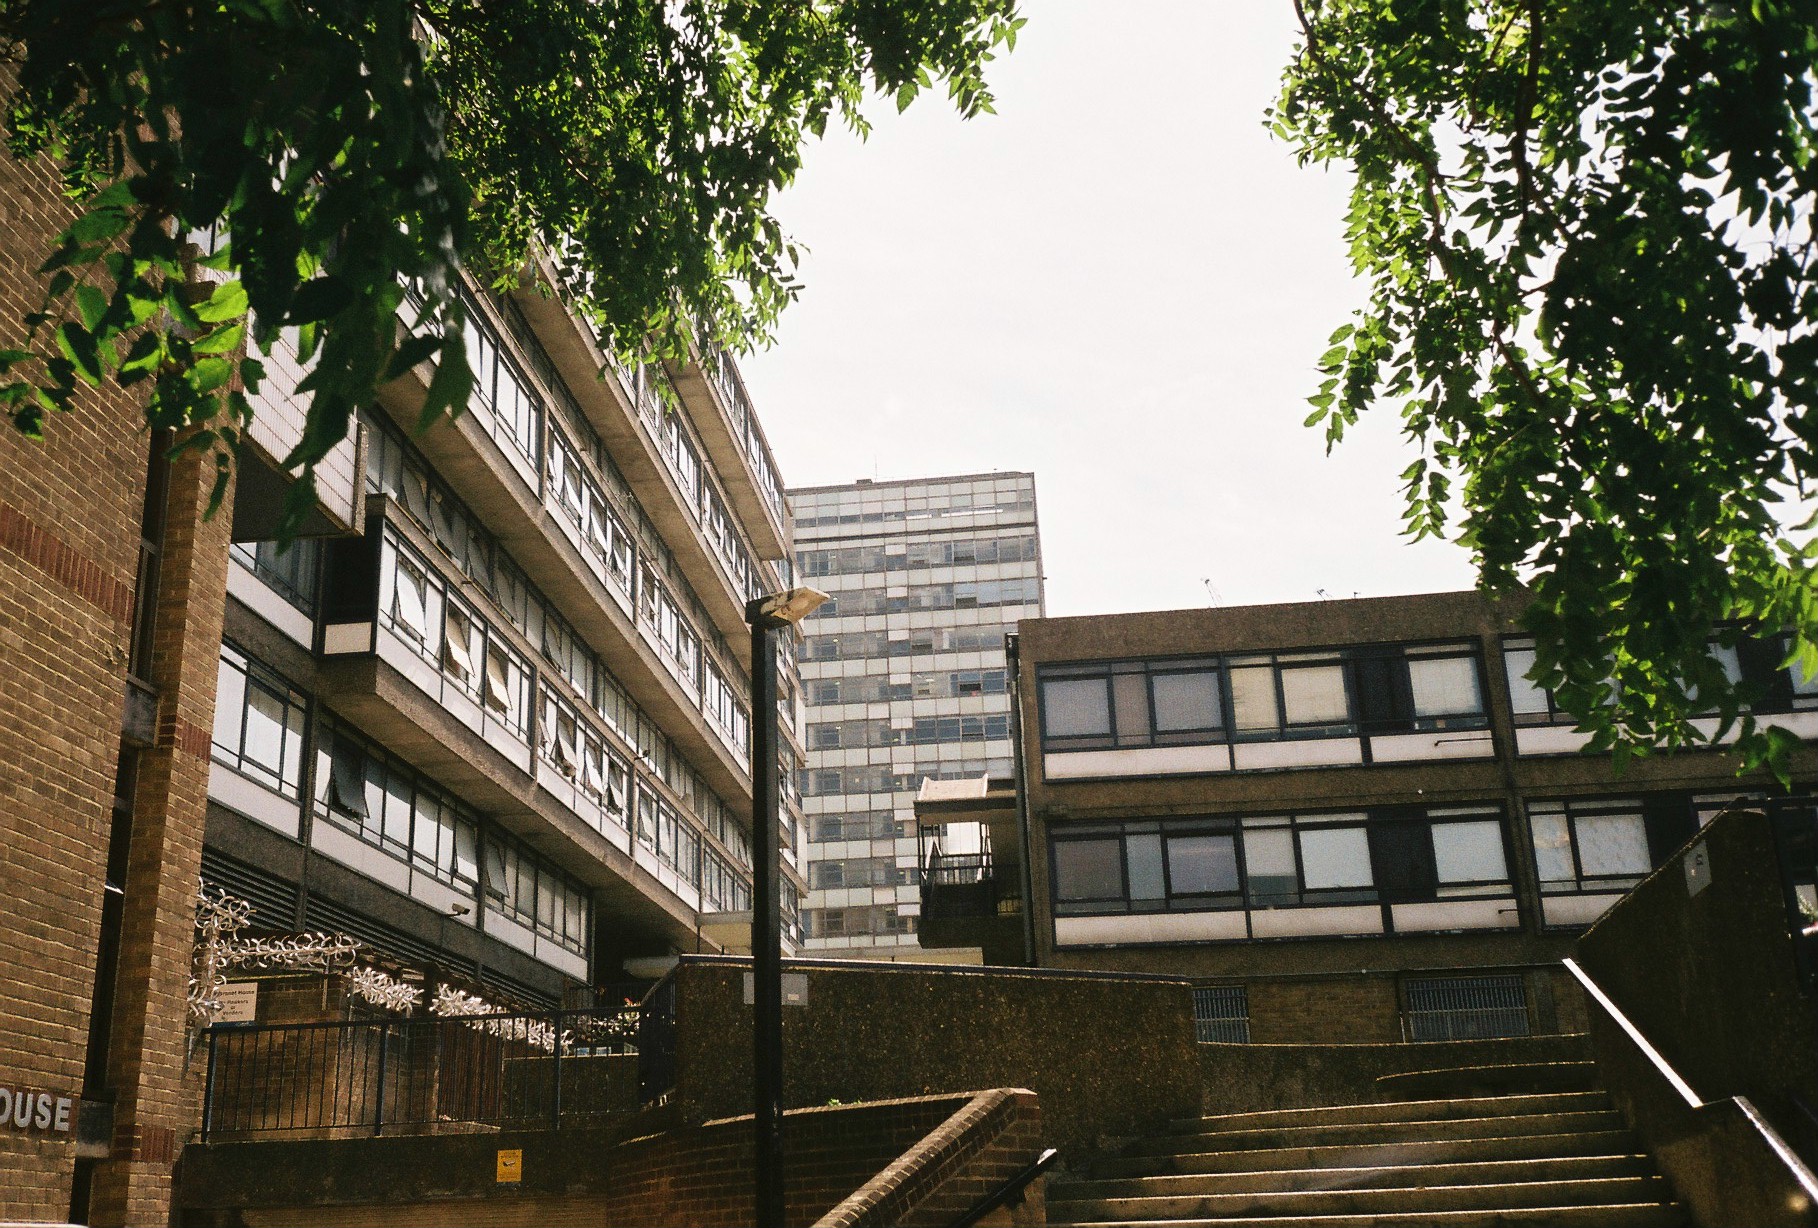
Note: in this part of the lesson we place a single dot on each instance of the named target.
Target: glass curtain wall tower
(903, 677)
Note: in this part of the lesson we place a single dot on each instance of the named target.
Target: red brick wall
(69, 541)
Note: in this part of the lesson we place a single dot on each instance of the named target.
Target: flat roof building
(903, 676)
(1346, 820)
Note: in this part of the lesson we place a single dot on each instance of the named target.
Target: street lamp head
(784, 609)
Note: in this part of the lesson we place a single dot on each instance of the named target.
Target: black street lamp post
(768, 616)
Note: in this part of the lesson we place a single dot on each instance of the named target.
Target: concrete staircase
(1474, 1161)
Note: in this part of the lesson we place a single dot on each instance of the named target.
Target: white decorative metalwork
(384, 991)
(218, 916)
(219, 919)
(474, 1011)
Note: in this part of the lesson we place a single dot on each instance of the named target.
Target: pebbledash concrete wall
(1705, 969)
(912, 1163)
(1108, 1055)
(69, 548)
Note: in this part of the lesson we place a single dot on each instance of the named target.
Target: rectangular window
(259, 720)
(1124, 704)
(1314, 695)
(376, 796)
(1590, 845)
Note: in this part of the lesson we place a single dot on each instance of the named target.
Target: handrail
(1661, 1065)
(1807, 1180)
(1010, 1193)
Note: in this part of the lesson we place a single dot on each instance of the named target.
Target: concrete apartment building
(491, 720)
(1344, 820)
(903, 677)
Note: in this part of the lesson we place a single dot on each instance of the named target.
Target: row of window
(1370, 690)
(926, 730)
(260, 726)
(880, 919)
(364, 790)
(923, 507)
(876, 825)
(451, 633)
(955, 552)
(1395, 855)
(877, 688)
(830, 875)
(853, 645)
(649, 386)
(725, 378)
(395, 469)
(1373, 690)
(964, 595)
(1279, 861)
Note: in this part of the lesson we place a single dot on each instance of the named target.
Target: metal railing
(405, 1076)
(958, 885)
(1467, 1008)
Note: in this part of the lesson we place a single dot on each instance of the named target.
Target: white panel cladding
(511, 933)
(277, 427)
(1575, 909)
(1404, 747)
(346, 637)
(1549, 740)
(560, 957)
(443, 898)
(1150, 928)
(1496, 914)
(1143, 761)
(253, 800)
(1805, 724)
(258, 597)
(1332, 919)
(1305, 752)
(351, 851)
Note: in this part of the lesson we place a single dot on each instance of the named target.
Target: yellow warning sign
(511, 1166)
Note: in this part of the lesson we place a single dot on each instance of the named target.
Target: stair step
(1380, 1154)
(1314, 1203)
(1634, 1215)
(1478, 1172)
(1514, 1077)
(1398, 1110)
(1368, 1133)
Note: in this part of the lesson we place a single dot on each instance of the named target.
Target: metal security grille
(1467, 1008)
(1222, 1013)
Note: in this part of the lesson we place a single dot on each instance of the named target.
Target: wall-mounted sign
(795, 989)
(27, 1108)
(1697, 868)
(511, 1165)
(239, 1002)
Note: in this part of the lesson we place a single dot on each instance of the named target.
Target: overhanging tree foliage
(343, 149)
(1588, 234)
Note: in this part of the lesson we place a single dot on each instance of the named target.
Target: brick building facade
(489, 718)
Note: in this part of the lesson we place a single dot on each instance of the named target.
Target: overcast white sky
(1120, 282)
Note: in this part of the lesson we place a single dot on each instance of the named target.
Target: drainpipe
(1019, 777)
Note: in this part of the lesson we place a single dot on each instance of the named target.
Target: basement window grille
(1222, 1013)
(1466, 1008)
